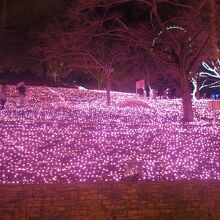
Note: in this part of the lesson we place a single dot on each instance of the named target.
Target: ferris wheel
(168, 41)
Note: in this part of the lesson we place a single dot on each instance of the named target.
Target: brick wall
(112, 201)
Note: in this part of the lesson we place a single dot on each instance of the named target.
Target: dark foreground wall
(111, 201)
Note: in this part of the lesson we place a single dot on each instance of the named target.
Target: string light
(68, 135)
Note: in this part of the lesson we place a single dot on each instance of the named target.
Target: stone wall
(112, 201)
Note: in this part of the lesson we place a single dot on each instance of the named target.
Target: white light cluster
(68, 135)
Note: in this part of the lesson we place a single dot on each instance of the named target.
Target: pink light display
(68, 135)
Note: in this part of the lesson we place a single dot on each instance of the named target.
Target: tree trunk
(98, 84)
(108, 87)
(185, 89)
(198, 95)
(45, 70)
(99, 81)
(186, 98)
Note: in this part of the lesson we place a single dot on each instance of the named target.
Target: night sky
(20, 23)
(30, 15)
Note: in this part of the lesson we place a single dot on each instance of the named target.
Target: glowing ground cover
(68, 135)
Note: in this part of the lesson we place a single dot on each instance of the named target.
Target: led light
(68, 135)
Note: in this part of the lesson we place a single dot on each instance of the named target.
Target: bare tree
(84, 41)
(19, 22)
(92, 27)
(183, 42)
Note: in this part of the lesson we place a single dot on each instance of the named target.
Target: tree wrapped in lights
(210, 74)
(88, 38)
(185, 46)
(182, 39)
